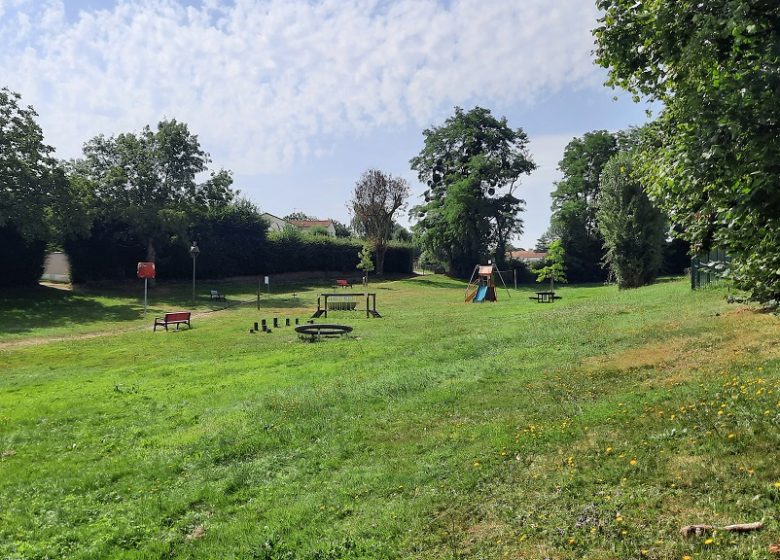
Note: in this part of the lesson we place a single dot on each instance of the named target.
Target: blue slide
(481, 293)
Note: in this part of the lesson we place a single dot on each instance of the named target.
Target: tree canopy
(632, 227)
(554, 269)
(471, 165)
(714, 156)
(32, 183)
(150, 180)
(575, 199)
(376, 199)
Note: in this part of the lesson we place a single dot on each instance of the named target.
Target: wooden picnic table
(545, 297)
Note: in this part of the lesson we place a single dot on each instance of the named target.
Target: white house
(305, 225)
(527, 257)
(275, 223)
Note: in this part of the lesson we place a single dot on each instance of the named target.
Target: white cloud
(269, 83)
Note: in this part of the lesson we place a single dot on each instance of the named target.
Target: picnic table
(545, 297)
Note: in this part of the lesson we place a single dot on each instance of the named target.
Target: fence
(709, 268)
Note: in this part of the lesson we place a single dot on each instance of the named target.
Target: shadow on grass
(43, 307)
(434, 283)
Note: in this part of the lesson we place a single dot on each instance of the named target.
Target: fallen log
(699, 530)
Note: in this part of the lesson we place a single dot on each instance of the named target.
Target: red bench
(343, 284)
(177, 318)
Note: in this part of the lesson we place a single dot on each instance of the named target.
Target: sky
(298, 97)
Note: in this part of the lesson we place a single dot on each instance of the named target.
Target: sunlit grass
(595, 427)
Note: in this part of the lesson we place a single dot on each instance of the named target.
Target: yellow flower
(609, 450)
(686, 557)
(708, 541)
(632, 462)
(777, 484)
(732, 436)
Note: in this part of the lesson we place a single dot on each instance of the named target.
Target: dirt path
(40, 340)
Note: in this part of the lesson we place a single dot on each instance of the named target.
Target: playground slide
(481, 293)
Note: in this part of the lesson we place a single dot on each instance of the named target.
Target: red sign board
(146, 270)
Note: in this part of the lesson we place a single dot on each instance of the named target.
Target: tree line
(630, 205)
(148, 196)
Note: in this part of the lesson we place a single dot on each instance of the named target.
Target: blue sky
(299, 97)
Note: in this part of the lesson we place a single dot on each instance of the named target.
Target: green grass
(592, 428)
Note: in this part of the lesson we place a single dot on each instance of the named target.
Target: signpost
(146, 270)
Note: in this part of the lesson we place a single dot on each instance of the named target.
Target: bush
(110, 252)
(233, 242)
(22, 261)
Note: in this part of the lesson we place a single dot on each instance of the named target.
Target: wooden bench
(343, 284)
(177, 318)
(215, 295)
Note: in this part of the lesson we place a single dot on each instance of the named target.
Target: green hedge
(230, 246)
(291, 253)
(22, 261)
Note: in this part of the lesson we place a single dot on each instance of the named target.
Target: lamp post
(194, 252)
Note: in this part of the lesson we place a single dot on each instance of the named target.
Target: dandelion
(609, 450)
(777, 484)
(708, 541)
(732, 436)
(632, 462)
(477, 464)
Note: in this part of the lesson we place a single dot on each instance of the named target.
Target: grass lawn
(592, 428)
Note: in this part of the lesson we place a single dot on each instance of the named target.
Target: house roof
(527, 255)
(311, 223)
(275, 217)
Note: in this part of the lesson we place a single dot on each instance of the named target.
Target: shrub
(22, 260)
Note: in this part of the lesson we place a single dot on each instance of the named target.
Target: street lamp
(194, 252)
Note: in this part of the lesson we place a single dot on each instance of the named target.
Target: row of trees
(712, 157)
(603, 217)
(147, 196)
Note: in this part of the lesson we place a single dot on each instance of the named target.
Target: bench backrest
(342, 282)
(178, 316)
(214, 293)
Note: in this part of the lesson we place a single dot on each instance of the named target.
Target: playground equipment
(315, 332)
(482, 284)
(345, 302)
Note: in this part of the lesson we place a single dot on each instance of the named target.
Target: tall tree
(575, 200)
(34, 194)
(471, 164)
(632, 227)
(376, 199)
(149, 180)
(715, 156)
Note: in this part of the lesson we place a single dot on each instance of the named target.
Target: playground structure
(313, 332)
(482, 284)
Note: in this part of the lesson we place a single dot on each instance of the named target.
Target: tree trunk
(380, 258)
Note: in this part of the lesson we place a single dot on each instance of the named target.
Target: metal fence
(709, 268)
